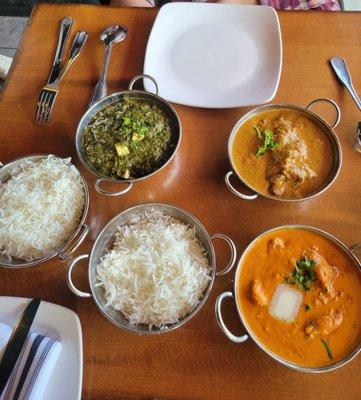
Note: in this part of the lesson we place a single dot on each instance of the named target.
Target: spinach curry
(327, 323)
(128, 139)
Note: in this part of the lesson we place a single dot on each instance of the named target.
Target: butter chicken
(300, 295)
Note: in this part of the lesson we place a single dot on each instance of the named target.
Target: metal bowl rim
(97, 107)
(253, 336)
(212, 260)
(327, 129)
(17, 161)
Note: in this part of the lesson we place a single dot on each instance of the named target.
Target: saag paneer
(128, 139)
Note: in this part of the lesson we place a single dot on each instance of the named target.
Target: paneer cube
(121, 149)
(137, 137)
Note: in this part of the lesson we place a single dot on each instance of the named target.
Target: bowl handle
(222, 325)
(233, 249)
(106, 193)
(334, 105)
(354, 247)
(236, 192)
(141, 76)
(69, 279)
(65, 253)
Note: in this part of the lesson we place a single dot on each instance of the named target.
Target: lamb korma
(283, 153)
(300, 295)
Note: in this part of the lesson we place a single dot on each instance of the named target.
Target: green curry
(127, 139)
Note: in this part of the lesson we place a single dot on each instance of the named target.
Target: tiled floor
(11, 30)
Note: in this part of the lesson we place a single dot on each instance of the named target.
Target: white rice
(157, 271)
(40, 208)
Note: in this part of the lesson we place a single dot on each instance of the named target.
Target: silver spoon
(113, 34)
(340, 68)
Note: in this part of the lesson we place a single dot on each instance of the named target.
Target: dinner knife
(358, 137)
(16, 342)
(339, 66)
(65, 26)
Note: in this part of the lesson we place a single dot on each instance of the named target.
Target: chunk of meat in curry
(258, 294)
(276, 243)
(325, 273)
(324, 324)
(289, 159)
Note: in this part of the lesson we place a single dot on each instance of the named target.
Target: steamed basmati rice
(157, 271)
(40, 208)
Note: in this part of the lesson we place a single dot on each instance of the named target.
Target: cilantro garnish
(269, 142)
(328, 349)
(126, 121)
(303, 274)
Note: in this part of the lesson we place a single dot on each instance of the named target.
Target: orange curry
(282, 153)
(327, 324)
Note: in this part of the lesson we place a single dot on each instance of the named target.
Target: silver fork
(50, 91)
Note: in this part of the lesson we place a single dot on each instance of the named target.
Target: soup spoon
(113, 34)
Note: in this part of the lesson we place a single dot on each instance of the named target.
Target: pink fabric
(326, 5)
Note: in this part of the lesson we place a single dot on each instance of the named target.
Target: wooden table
(196, 361)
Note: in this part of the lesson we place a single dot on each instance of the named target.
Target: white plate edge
(231, 105)
(79, 329)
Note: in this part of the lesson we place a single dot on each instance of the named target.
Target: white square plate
(215, 55)
(61, 324)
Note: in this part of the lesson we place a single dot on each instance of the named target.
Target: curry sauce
(282, 153)
(128, 139)
(327, 325)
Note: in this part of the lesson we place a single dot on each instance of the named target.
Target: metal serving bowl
(75, 239)
(176, 132)
(240, 339)
(326, 128)
(104, 244)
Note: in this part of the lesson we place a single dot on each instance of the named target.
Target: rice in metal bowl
(41, 205)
